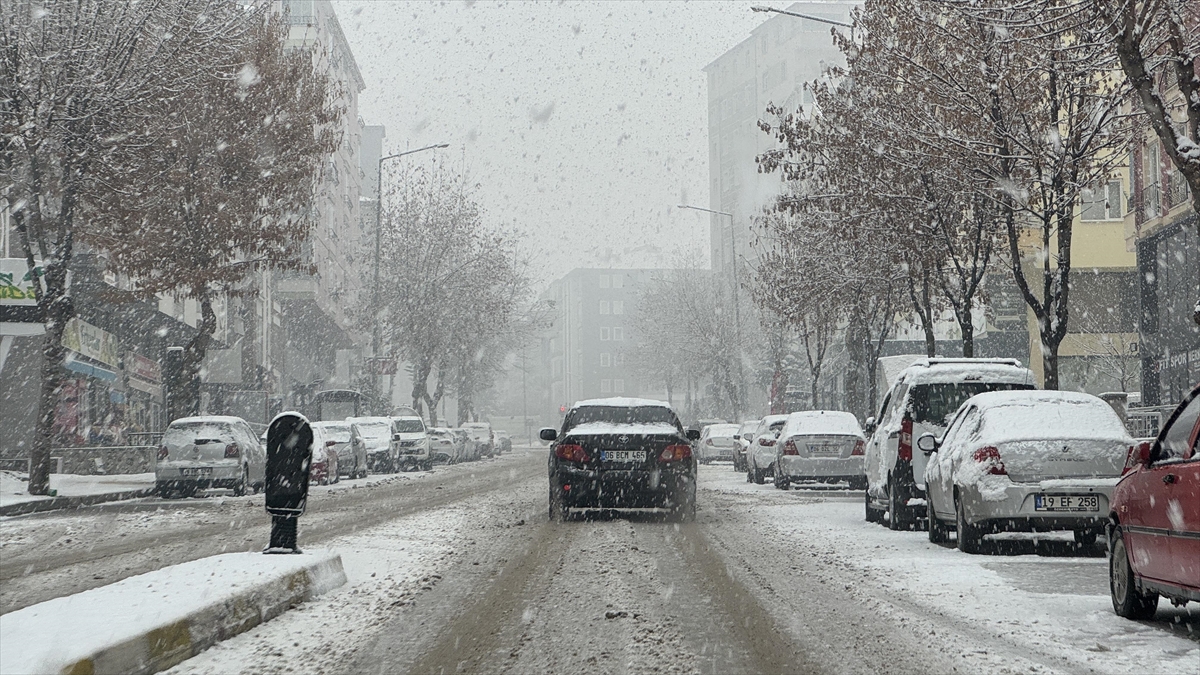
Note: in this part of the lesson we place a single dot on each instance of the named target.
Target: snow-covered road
(764, 581)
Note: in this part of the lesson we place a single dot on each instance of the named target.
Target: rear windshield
(408, 426)
(337, 432)
(372, 429)
(937, 403)
(190, 432)
(646, 414)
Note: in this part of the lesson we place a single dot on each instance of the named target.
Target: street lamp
(737, 311)
(377, 338)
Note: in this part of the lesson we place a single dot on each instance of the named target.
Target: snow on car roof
(812, 422)
(619, 402)
(722, 429)
(938, 370)
(615, 428)
(1039, 414)
(205, 419)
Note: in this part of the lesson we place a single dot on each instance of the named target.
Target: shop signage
(142, 368)
(92, 342)
(16, 283)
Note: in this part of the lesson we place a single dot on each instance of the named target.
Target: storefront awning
(77, 365)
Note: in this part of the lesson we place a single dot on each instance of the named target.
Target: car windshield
(936, 403)
(593, 235)
(649, 415)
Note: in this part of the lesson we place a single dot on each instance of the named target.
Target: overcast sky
(584, 123)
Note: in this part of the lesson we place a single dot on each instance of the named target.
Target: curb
(86, 633)
(56, 503)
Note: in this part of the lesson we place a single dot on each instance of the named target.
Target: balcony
(1177, 191)
(1151, 202)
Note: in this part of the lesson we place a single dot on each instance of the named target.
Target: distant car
(1154, 522)
(352, 459)
(442, 447)
(410, 442)
(1025, 461)
(760, 457)
(467, 450)
(820, 445)
(481, 434)
(324, 467)
(717, 442)
(744, 436)
(622, 453)
(209, 452)
(923, 399)
(503, 441)
(374, 435)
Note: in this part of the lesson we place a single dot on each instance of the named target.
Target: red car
(324, 469)
(1154, 526)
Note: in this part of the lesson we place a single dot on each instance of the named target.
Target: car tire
(1127, 600)
(239, 490)
(559, 511)
(684, 512)
(939, 532)
(872, 515)
(897, 519)
(759, 476)
(782, 482)
(1085, 538)
(970, 537)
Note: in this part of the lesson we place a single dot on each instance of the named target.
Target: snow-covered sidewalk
(14, 488)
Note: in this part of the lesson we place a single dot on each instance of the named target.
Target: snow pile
(14, 486)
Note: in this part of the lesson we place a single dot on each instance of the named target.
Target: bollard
(289, 456)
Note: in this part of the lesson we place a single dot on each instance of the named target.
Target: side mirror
(693, 434)
(548, 434)
(870, 425)
(1138, 455)
(927, 443)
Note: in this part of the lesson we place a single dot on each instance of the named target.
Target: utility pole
(377, 336)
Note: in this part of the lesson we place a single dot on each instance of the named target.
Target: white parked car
(209, 452)
(923, 399)
(374, 434)
(718, 442)
(410, 443)
(442, 446)
(352, 459)
(481, 436)
(821, 445)
(1024, 461)
(745, 435)
(760, 457)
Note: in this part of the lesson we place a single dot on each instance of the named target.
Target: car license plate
(626, 456)
(192, 473)
(1066, 502)
(824, 450)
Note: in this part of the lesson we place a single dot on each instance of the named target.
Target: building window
(618, 333)
(605, 333)
(605, 386)
(604, 307)
(618, 281)
(605, 360)
(618, 307)
(619, 386)
(604, 281)
(1102, 202)
(620, 359)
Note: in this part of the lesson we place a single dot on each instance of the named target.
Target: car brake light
(162, 452)
(789, 448)
(232, 451)
(904, 449)
(990, 455)
(571, 452)
(766, 441)
(673, 453)
(860, 448)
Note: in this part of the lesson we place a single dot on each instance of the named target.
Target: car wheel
(759, 476)
(239, 490)
(897, 519)
(1085, 538)
(970, 537)
(782, 482)
(872, 515)
(559, 511)
(1127, 600)
(939, 532)
(684, 512)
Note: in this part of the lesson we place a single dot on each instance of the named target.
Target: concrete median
(153, 621)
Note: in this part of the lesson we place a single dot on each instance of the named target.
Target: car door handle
(1169, 478)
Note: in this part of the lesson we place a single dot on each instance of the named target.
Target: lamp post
(733, 276)
(377, 337)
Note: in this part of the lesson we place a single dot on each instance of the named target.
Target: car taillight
(789, 448)
(232, 451)
(571, 452)
(673, 453)
(768, 442)
(991, 456)
(162, 452)
(904, 450)
(860, 448)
